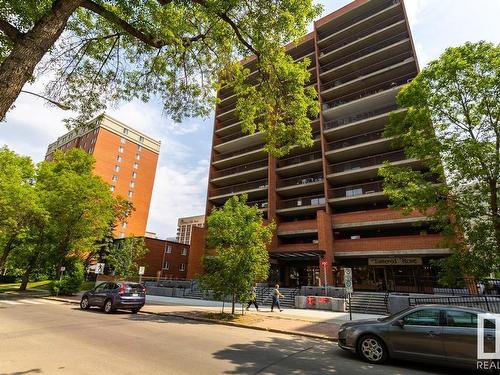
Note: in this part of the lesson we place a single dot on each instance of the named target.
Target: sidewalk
(310, 323)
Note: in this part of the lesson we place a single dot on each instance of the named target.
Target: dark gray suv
(114, 295)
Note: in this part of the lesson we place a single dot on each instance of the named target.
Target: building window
(84, 144)
(124, 224)
(134, 174)
(117, 168)
(167, 266)
(184, 251)
(91, 150)
(182, 267)
(93, 140)
(125, 131)
(169, 249)
(95, 131)
(139, 148)
(132, 184)
(130, 193)
(112, 188)
(137, 156)
(136, 165)
(120, 149)
(122, 235)
(141, 139)
(114, 178)
(123, 141)
(119, 159)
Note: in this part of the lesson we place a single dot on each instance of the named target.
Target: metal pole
(324, 271)
(350, 311)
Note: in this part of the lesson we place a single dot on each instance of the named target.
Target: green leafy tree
(453, 126)
(124, 256)
(20, 206)
(104, 51)
(239, 237)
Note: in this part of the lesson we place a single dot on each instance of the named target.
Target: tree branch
(124, 25)
(9, 30)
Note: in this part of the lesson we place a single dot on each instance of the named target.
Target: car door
(460, 337)
(419, 335)
(99, 295)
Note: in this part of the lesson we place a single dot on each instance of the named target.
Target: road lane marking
(30, 301)
(10, 302)
(53, 302)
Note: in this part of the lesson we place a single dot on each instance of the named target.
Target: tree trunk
(6, 251)
(494, 213)
(29, 49)
(233, 300)
(27, 272)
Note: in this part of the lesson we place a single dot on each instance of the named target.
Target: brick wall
(371, 215)
(430, 241)
(156, 255)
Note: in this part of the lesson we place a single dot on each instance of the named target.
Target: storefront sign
(395, 261)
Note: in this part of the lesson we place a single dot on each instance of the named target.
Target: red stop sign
(324, 263)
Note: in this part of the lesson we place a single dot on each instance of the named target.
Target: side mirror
(400, 323)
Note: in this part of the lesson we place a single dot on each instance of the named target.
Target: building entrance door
(380, 277)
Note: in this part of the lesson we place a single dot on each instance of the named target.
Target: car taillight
(122, 289)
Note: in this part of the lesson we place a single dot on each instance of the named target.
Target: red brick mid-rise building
(328, 200)
(125, 158)
(167, 259)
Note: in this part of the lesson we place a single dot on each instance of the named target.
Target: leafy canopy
(453, 125)
(239, 238)
(123, 257)
(177, 51)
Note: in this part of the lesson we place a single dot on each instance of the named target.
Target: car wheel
(372, 349)
(84, 303)
(108, 306)
(135, 311)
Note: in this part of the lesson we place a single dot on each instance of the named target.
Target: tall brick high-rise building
(328, 200)
(125, 158)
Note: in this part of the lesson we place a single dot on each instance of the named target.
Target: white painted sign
(395, 261)
(99, 268)
(63, 269)
(348, 280)
(141, 270)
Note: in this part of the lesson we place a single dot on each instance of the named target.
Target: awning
(297, 255)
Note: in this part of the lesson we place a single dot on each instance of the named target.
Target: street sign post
(141, 272)
(99, 268)
(324, 263)
(348, 287)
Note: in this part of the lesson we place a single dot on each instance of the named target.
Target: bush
(70, 284)
(8, 279)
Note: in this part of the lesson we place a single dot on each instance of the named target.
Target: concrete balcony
(379, 72)
(367, 168)
(262, 205)
(383, 31)
(254, 189)
(295, 247)
(241, 156)
(305, 163)
(357, 194)
(428, 245)
(359, 146)
(365, 20)
(300, 185)
(293, 228)
(381, 218)
(365, 122)
(301, 205)
(378, 95)
(238, 141)
(240, 173)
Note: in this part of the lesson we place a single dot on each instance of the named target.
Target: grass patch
(225, 317)
(43, 285)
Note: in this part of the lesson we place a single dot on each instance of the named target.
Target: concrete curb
(230, 324)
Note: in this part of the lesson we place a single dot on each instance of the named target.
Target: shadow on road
(32, 371)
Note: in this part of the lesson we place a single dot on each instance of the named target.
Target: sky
(182, 173)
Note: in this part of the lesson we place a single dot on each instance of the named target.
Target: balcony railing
(231, 121)
(230, 137)
(301, 180)
(357, 190)
(356, 140)
(390, 61)
(367, 162)
(262, 204)
(240, 168)
(239, 152)
(360, 34)
(303, 201)
(351, 119)
(380, 87)
(299, 159)
(352, 21)
(260, 184)
(364, 51)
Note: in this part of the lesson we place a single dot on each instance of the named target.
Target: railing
(299, 159)
(488, 303)
(364, 51)
(303, 201)
(352, 21)
(231, 121)
(374, 89)
(390, 61)
(239, 152)
(357, 190)
(301, 180)
(350, 119)
(367, 161)
(227, 108)
(358, 139)
(241, 168)
(262, 204)
(230, 137)
(365, 32)
(260, 184)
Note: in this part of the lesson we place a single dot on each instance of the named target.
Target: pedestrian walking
(276, 298)
(254, 299)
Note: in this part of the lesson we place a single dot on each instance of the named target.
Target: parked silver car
(436, 333)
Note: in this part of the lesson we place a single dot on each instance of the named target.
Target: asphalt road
(47, 337)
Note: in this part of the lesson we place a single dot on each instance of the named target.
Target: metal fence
(488, 303)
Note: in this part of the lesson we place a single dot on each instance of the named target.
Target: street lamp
(62, 106)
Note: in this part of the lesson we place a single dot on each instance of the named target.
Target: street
(51, 337)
